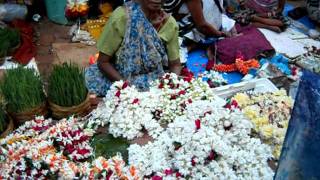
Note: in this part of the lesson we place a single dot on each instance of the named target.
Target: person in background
(262, 14)
(199, 19)
(311, 8)
(138, 42)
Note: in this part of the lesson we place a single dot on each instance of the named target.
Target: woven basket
(9, 129)
(2, 60)
(22, 117)
(60, 112)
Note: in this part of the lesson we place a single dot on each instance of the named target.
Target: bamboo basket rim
(41, 106)
(70, 107)
(28, 115)
(60, 112)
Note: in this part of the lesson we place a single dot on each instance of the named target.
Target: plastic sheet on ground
(297, 42)
(280, 43)
(300, 154)
(11, 65)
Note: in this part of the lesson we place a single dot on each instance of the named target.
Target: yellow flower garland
(270, 114)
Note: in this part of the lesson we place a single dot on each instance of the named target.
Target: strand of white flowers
(235, 147)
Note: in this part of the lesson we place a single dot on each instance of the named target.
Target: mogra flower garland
(205, 143)
(128, 112)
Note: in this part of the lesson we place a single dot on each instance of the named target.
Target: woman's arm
(175, 66)
(281, 4)
(106, 67)
(202, 25)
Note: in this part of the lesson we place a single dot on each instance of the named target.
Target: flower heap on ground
(206, 143)
(20, 136)
(61, 150)
(128, 111)
(270, 114)
(176, 93)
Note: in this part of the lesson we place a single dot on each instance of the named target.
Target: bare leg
(211, 53)
(271, 22)
(272, 28)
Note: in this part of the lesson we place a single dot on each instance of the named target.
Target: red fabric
(27, 49)
(250, 44)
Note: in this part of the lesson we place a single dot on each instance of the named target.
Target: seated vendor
(262, 14)
(138, 42)
(313, 8)
(199, 20)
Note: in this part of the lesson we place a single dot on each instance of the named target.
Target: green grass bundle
(9, 39)
(67, 85)
(22, 90)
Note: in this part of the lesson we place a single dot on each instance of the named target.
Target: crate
(255, 85)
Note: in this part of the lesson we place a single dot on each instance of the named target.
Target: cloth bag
(300, 153)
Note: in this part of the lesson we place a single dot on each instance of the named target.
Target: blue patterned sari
(141, 55)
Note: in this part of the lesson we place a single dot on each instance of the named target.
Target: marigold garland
(240, 65)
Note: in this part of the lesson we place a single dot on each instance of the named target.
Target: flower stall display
(76, 9)
(206, 143)
(195, 135)
(270, 114)
(23, 91)
(42, 150)
(128, 111)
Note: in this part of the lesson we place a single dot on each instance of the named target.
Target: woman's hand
(106, 67)
(175, 66)
(202, 25)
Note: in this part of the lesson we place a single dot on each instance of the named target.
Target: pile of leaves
(9, 39)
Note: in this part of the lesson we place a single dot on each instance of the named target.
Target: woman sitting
(138, 41)
(262, 14)
(199, 19)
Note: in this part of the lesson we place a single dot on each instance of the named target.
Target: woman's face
(153, 5)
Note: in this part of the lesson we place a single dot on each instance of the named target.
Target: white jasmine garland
(213, 78)
(128, 111)
(176, 93)
(185, 147)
